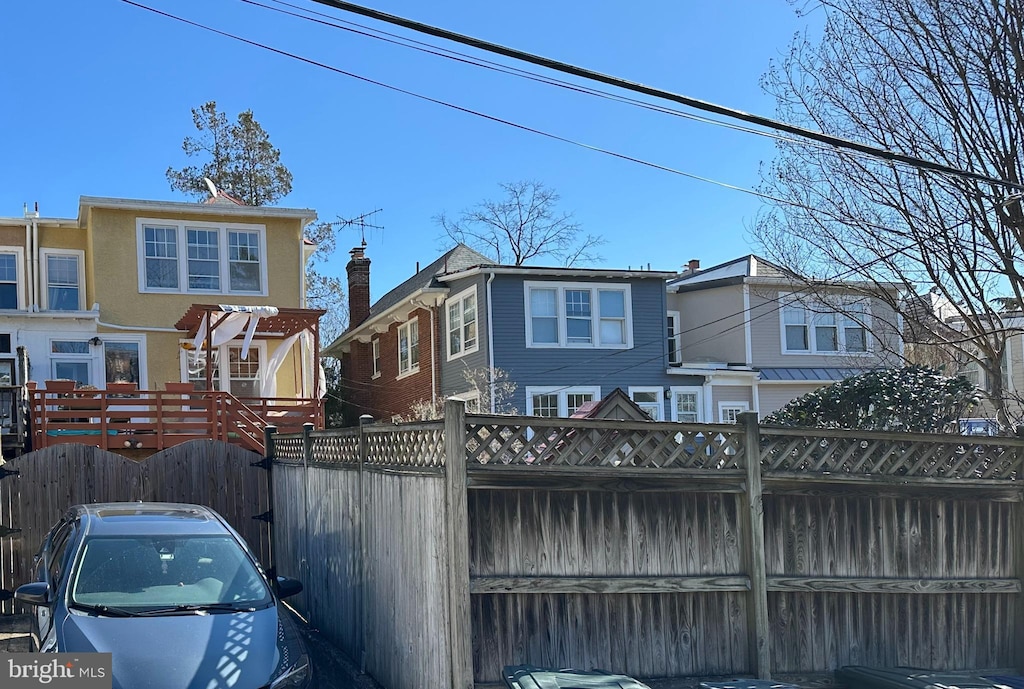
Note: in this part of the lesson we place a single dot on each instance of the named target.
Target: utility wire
(469, 111)
(465, 58)
(761, 121)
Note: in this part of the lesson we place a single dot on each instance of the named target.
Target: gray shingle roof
(453, 260)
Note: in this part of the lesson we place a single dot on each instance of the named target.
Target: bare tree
(524, 226)
(937, 79)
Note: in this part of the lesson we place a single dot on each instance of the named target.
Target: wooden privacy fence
(38, 487)
(441, 552)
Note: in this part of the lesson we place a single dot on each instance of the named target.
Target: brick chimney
(358, 286)
(693, 266)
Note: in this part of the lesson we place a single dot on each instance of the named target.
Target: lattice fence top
(416, 445)
(288, 448)
(593, 443)
(891, 454)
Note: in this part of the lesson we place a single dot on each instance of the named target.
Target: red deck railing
(157, 419)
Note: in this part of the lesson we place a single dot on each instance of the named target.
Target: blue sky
(98, 97)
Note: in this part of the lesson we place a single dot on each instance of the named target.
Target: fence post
(757, 610)
(457, 509)
(307, 457)
(364, 592)
(269, 455)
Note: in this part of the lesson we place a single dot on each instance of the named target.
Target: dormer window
(202, 257)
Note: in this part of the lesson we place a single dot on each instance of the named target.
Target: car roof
(143, 518)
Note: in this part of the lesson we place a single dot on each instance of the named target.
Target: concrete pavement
(332, 669)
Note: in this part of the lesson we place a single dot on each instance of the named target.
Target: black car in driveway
(172, 592)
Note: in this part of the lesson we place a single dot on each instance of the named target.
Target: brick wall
(387, 395)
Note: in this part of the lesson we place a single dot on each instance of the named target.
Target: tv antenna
(360, 221)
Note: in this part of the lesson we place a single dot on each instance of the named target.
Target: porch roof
(286, 323)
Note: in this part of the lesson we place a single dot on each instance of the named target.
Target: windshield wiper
(103, 610)
(198, 608)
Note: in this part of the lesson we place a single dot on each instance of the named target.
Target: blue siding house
(562, 336)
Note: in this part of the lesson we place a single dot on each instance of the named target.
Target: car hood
(237, 650)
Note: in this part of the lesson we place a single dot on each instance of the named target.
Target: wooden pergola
(284, 324)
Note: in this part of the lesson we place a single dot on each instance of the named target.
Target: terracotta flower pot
(60, 385)
(180, 387)
(121, 388)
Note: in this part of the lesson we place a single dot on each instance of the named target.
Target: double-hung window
(823, 329)
(375, 355)
(63, 280)
(558, 401)
(675, 355)
(462, 324)
(687, 403)
(202, 257)
(650, 400)
(409, 347)
(595, 315)
(9, 263)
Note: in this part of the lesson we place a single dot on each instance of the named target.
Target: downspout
(433, 356)
(28, 261)
(490, 343)
(34, 285)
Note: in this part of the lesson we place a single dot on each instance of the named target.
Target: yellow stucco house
(142, 300)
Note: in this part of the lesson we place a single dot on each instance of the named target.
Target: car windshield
(155, 572)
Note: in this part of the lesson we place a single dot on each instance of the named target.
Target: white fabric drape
(268, 386)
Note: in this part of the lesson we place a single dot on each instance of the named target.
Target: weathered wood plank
(456, 520)
(621, 479)
(535, 585)
(757, 607)
(862, 585)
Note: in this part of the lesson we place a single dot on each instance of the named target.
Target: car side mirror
(286, 586)
(36, 593)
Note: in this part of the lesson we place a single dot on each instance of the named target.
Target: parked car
(172, 592)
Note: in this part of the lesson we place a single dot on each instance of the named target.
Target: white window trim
(674, 316)
(414, 366)
(722, 406)
(19, 253)
(471, 396)
(786, 299)
(375, 357)
(459, 298)
(660, 396)
(181, 239)
(140, 340)
(560, 288)
(675, 390)
(224, 358)
(44, 269)
(563, 393)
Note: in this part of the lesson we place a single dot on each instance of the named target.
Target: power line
(465, 58)
(469, 111)
(759, 120)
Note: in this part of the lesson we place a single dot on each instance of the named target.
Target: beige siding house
(760, 338)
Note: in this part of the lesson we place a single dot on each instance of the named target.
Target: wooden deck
(158, 419)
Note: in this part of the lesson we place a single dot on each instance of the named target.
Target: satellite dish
(211, 186)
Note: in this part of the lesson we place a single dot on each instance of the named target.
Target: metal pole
(268, 464)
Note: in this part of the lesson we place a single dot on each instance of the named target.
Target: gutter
(557, 272)
(412, 299)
